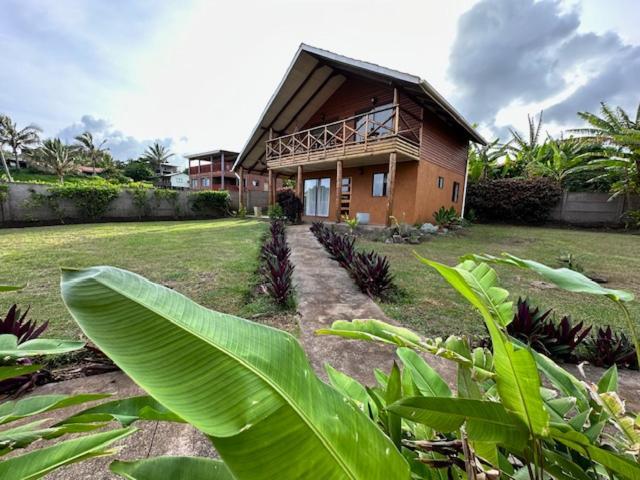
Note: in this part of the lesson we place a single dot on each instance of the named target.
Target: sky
(196, 74)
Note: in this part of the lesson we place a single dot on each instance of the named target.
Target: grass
(212, 262)
(429, 305)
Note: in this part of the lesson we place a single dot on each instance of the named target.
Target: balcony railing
(359, 131)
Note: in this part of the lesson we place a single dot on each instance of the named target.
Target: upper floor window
(194, 183)
(379, 187)
(256, 183)
(374, 123)
(455, 194)
(440, 182)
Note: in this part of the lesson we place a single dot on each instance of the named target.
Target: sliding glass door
(316, 197)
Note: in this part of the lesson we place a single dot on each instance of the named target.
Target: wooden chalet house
(360, 140)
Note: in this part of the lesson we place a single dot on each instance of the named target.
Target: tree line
(53, 156)
(603, 156)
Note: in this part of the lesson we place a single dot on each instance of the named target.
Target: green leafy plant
(91, 200)
(290, 204)
(351, 223)
(140, 198)
(514, 200)
(246, 385)
(570, 261)
(170, 196)
(210, 202)
(275, 212)
(446, 217)
(242, 212)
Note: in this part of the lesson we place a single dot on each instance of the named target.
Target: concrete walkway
(325, 292)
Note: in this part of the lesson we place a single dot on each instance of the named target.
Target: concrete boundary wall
(592, 208)
(19, 209)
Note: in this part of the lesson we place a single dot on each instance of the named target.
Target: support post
(271, 202)
(396, 112)
(199, 174)
(299, 183)
(338, 189)
(222, 169)
(241, 188)
(391, 180)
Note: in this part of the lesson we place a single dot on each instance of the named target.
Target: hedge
(513, 200)
(207, 202)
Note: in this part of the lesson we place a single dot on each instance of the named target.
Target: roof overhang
(312, 77)
(211, 153)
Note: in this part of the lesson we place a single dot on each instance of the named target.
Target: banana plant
(248, 387)
(511, 423)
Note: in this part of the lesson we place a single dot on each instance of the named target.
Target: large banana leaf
(13, 371)
(249, 387)
(174, 468)
(22, 436)
(15, 410)
(486, 421)
(625, 467)
(517, 378)
(428, 381)
(39, 346)
(564, 278)
(126, 411)
(38, 463)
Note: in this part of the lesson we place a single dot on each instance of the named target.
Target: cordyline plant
(252, 391)
(544, 334)
(15, 323)
(277, 269)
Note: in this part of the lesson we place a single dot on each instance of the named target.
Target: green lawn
(212, 262)
(430, 306)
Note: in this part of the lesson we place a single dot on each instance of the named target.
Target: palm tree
(56, 157)
(20, 139)
(156, 155)
(617, 139)
(3, 141)
(89, 148)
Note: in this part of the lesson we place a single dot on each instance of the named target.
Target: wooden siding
(352, 97)
(442, 145)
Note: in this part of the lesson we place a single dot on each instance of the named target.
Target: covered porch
(363, 186)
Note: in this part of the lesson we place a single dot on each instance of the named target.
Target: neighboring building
(212, 170)
(176, 181)
(361, 139)
(166, 169)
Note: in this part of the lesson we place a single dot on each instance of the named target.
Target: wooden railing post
(391, 180)
(396, 112)
(338, 189)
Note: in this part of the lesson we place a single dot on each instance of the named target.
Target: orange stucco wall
(362, 199)
(429, 197)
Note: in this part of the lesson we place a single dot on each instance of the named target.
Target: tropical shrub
(210, 202)
(290, 204)
(446, 217)
(607, 348)
(275, 212)
(542, 333)
(514, 200)
(248, 385)
(91, 200)
(372, 274)
(137, 171)
(277, 269)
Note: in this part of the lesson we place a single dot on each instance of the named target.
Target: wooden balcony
(380, 131)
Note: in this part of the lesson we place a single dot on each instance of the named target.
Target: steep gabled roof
(312, 77)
